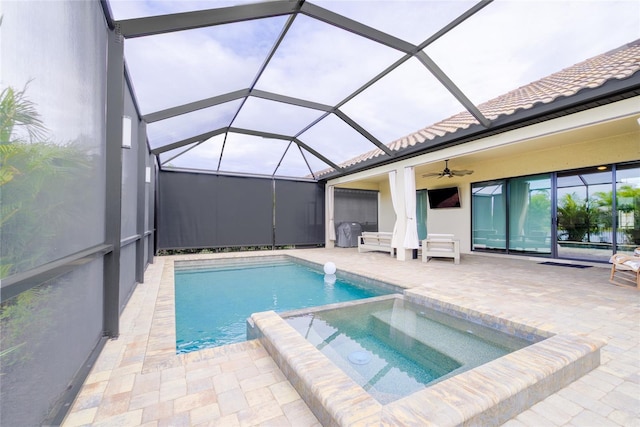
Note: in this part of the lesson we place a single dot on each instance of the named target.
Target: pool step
(463, 345)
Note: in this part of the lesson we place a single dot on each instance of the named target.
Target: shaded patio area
(139, 380)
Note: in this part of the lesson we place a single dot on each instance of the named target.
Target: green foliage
(38, 179)
(628, 198)
(539, 211)
(167, 252)
(575, 218)
(627, 202)
(18, 317)
(17, 113)
(40, 184)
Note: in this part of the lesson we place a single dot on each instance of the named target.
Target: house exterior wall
(387, 216)
(588, 138)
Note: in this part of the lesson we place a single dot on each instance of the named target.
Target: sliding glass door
(627, 212)
(529, 212)
(489, 213)
(513, 215)
(585, 214)
(584, 206)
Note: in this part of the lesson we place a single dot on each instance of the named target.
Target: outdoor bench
(375, 241)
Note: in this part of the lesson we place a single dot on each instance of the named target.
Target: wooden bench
(441, 246)
(375, 241)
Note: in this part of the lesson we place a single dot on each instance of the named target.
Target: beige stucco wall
(386, 216)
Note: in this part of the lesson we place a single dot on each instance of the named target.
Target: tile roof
(619, 63)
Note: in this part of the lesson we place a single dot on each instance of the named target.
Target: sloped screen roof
(293, 88)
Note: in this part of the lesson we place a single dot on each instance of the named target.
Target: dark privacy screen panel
(359, 206)
(204, 211)
(208, 211)
(299, 213)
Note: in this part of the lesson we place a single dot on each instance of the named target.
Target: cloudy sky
(506, 45)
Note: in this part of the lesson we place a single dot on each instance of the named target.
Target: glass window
(628, 207)
(530, 214)
(489, 214)
(421, 213)
(584, 227)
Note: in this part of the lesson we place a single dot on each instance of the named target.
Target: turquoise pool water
(393, 348)
(214, 299)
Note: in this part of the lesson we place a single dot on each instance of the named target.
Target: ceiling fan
(448, 172)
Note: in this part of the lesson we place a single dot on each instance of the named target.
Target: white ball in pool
(329, 268)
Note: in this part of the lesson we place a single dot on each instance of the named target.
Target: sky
(506, 45)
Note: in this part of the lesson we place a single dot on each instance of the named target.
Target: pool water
(213, 300)
(393, 348)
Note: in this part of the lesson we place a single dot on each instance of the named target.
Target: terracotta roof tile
(618, 64)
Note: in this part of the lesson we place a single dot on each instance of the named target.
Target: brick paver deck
(139, 380)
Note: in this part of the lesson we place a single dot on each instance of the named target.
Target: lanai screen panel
(385, 69)
(361, 206)
(186, 66)
(418, 98)
(242, 151)
(197, 210)
(205, 154)
(336, 139)
(208, 211)
(541, 38)
(299, 213)
(52, 199)
(192, 124)
(298, 162)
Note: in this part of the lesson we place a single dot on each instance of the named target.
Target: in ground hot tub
(411, 360)
(393, 348)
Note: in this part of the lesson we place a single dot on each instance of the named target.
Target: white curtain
(332, 226)
(411, 235)
(394, 202)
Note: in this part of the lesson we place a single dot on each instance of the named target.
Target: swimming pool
(214, 298)
(393, 348)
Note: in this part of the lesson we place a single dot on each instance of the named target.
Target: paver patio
(139, 380)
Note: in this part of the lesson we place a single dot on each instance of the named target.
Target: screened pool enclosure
(128, 127)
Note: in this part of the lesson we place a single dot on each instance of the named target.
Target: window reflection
(628, 208)
(591, 220)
